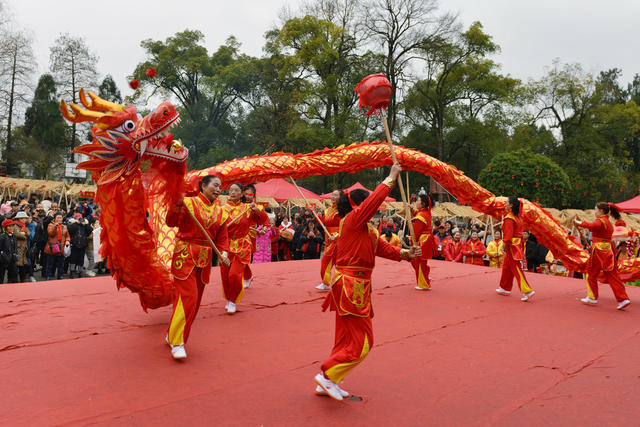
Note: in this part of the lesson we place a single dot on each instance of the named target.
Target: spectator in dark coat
(8, 252)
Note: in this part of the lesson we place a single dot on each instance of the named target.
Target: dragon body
(139, 244)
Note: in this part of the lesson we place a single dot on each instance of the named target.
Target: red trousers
(353, 341)
(512, 269)
(187, 295)
(232, 279)
(422, 272)
(591, 276)
(248, 274)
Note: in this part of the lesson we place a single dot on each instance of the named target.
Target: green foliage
(43, 141)
(109, 91)
(525, 174)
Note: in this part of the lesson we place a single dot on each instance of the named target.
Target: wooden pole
(204, 232)
(312, 210)
(239, 216)
(395, 160)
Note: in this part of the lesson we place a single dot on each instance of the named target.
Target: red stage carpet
(79, 352)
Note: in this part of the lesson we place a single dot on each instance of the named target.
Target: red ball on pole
(374, 92)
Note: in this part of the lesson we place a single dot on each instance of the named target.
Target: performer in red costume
(249, 194)
(242, 216)
(474, 250)
(453, 249)
(513, 252)
(331, 221)
(350, 296)
(602, 259)
(424, 233)
(192, 255)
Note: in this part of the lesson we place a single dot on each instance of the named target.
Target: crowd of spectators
(38, 235)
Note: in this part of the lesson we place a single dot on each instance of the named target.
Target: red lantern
(555, 186)
(151, 72)
(374, 92)
(610, 185)
(537, 184)
(134, 84)
(513, 176)
(489, 167)
(537, 171)
(521, 182)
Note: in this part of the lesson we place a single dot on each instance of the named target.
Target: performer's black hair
(426, 201)
(606, 208)
(357, 196)
(515, 202)
(205, 181)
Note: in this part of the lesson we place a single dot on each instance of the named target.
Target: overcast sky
(599, 35)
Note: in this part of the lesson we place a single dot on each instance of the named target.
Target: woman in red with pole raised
(357, 245)
(602, 259)
(513, 252)
(242, 216)
(424, 234)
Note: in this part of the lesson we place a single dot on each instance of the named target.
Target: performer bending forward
(192, 255)
(350, 297)
(423, 231)
(331, 220)
(602, 258)
(513, 252)
(241, 217)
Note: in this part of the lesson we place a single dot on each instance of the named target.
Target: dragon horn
(97, 103)
(79, 114)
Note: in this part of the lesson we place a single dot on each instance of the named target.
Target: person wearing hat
(23, 234)
(58, 238)
(8, 252)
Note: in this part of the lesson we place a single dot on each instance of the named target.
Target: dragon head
(122, 138)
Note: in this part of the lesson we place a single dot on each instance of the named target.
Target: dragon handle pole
(402, 193)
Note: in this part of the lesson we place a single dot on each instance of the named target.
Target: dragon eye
(128, 126)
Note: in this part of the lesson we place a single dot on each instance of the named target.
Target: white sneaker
(320, 392)
(589, 301)
(32, 279)
(528, 295)
(422, 289)
(231, 307)
(323, 287)
(503, 291)
(623, 304)
(247, 282)
(329, 386)
(90, 273)
(178, 352)
(226, 306)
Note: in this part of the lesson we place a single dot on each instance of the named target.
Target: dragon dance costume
(424, 234)
(602, 260)
(192, 256)
(239, 247)
(350, 296)
(513, 255)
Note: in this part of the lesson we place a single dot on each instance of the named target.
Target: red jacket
(474, 251)
(512, 236)
(453, 251)
(424, 233)
(355, 253)
(602, 249)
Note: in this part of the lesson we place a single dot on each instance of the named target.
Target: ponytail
(515, 203)
(609, 209)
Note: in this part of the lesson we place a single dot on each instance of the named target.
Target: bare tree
(399, 29)
(17, 65)
(73, 66)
